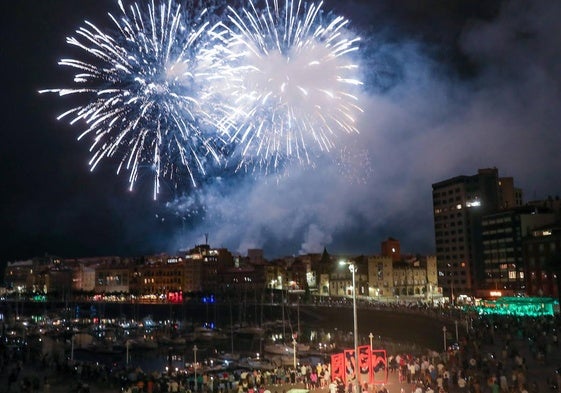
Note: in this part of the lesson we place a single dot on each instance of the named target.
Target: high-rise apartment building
(542, 256)
(459, 204)
(503, 234)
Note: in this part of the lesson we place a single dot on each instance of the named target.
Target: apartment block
(503, 234)
(459, 204)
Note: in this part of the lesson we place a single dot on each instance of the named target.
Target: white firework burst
(143, 86)
(290, 80)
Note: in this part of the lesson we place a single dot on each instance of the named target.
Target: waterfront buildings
(481, 227)
(542, 261)
(503, 234)
(459, 204)
(487, 242)
(205, 270)
(404, 276)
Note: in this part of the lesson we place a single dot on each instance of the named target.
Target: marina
(114, 352)
(150, 343)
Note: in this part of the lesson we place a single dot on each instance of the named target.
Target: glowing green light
(517, 306)
(39, 298)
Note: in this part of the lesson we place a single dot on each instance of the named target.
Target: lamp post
(451, 275)
(294, 352)
(452, 298)
(353, 269)
(371, 336)
(127, 345)
(72, 348)
(195, 364)
(444, 336)
(456, 323)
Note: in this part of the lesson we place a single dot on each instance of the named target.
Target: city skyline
(448, 90)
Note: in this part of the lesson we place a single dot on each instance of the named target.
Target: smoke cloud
(423, 122)
(449, 87)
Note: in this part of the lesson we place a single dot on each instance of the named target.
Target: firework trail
(290, 82)
(144, 87)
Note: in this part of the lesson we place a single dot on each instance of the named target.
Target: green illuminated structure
(39, 298)
(518, 306)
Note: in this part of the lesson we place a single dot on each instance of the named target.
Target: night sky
(450, 87)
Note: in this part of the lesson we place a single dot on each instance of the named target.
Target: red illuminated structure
(373, 366)
(175, 297)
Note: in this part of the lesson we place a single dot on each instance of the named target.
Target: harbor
(169, 332)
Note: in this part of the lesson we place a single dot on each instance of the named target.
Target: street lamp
(452, 275)
(294, 352)
(371, 336)
(444, 336)
(456, 323)
(353, 269)
(127, 345)
(195, 364)
(72, 348)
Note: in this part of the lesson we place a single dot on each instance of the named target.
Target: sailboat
(250, 331)
(284, 349)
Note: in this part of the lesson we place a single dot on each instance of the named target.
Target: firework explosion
(144, 86)
(291, 82)
(179, 94)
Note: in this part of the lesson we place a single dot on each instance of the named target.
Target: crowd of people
(496, 354)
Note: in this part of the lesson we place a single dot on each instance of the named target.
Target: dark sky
(451, 86)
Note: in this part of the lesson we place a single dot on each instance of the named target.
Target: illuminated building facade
(340, 278)
(459, 204)
(502, 236)
(542, 256)
(112, 279)
(162, 274)
(394, 275)
(19, 275)
(83, 279)
(213, 261)
(39, 275)
(275, 275)
(208, 271)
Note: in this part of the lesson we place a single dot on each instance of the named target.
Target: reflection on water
(154, 360)
(195, 326)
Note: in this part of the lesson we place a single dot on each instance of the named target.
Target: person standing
(462, 384)
(332, 387)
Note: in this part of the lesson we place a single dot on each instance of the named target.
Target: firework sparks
(144, 86)
(179, 94)
(290, 81)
